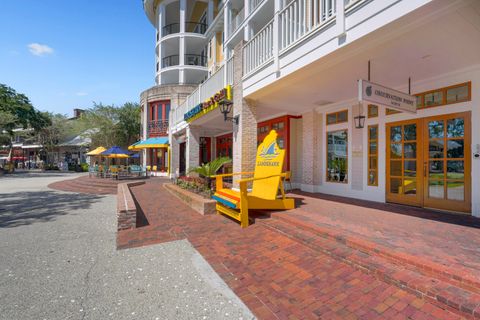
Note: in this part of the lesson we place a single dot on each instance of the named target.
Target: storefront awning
(158, 142)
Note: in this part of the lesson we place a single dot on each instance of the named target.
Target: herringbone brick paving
(276, 276)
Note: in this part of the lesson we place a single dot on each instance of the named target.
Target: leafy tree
(128, 126)
(114, 125)
(56, 132)
(17, 111)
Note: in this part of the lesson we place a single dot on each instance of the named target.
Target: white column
(192, 149)
(227, 20)
(340, 19)
(276, 36)
(214, 49)
(246, 7)
(247, 31)
(181, 59)
(210, 13)
(145, 124)
(161, 18)
(183, 13)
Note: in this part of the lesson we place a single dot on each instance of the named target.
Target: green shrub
(84, 167)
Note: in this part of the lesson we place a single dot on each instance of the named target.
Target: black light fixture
(225, 108)
(203, 141)
(360, 119)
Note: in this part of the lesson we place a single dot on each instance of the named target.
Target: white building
(294, 66)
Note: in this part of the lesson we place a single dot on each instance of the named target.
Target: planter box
(193, 200)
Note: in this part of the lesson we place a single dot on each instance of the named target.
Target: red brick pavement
(441, 242)
(277, 276)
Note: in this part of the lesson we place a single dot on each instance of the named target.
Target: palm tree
(207, 170)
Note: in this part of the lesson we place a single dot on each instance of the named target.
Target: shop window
(337, 156)
(443, 96)
(373, 155)
(433, 98)
(278, 126)
(458, 93)
(372, 111)
(337, 117)
(263, 129)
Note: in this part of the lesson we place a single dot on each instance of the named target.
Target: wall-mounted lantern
(225, 108)
(360, 119)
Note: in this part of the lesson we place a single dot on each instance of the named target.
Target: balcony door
(158, 118)
(428, 162)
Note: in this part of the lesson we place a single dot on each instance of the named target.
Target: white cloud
(81, 94)
(38, 49)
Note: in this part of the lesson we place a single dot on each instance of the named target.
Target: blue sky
(66, 54)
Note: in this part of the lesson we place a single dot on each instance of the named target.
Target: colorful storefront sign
(205, 107)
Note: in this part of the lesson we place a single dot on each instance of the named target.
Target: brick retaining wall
(126, 207)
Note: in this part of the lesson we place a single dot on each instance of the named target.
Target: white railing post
(276, 36)
(340, 19)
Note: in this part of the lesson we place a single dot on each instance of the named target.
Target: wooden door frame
(416, 201)
(422, 165)
(444, 204)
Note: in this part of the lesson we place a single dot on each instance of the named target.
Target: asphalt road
(58, 260)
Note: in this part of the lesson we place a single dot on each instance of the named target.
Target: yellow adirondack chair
(266, 181)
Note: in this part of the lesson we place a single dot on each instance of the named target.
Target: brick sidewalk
(450, 241)
(276, 276)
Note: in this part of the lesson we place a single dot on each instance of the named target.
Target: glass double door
(428, 162)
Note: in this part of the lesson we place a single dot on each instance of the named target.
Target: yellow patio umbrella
(96, 152)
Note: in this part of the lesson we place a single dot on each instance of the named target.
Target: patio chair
(266, 181)
(114, 170)
(93, 171)
(137, 170)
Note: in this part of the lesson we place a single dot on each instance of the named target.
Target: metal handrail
(195, 60)
(197, 27)
(170, 61)
(157, 126)
(170, 29)
(190, 26)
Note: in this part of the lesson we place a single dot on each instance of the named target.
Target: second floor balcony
(192, 27)
(157, 128)
(189, 60)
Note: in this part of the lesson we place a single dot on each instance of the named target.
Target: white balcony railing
(259, 49)
(301, 16)
(237, 21)
(229, 66)
(253, 4)
(297, 19)
(204, 91)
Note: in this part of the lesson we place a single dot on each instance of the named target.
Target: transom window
(443, 96)
(337, 117)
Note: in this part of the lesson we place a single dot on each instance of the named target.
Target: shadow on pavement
(24, 208)
(38, 174)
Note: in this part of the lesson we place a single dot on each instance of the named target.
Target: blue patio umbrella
(135, 155)
(116, 152)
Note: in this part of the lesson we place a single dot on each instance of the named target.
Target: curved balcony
(191, 27)
(170, 61)
(195, 60)
(190, 60)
